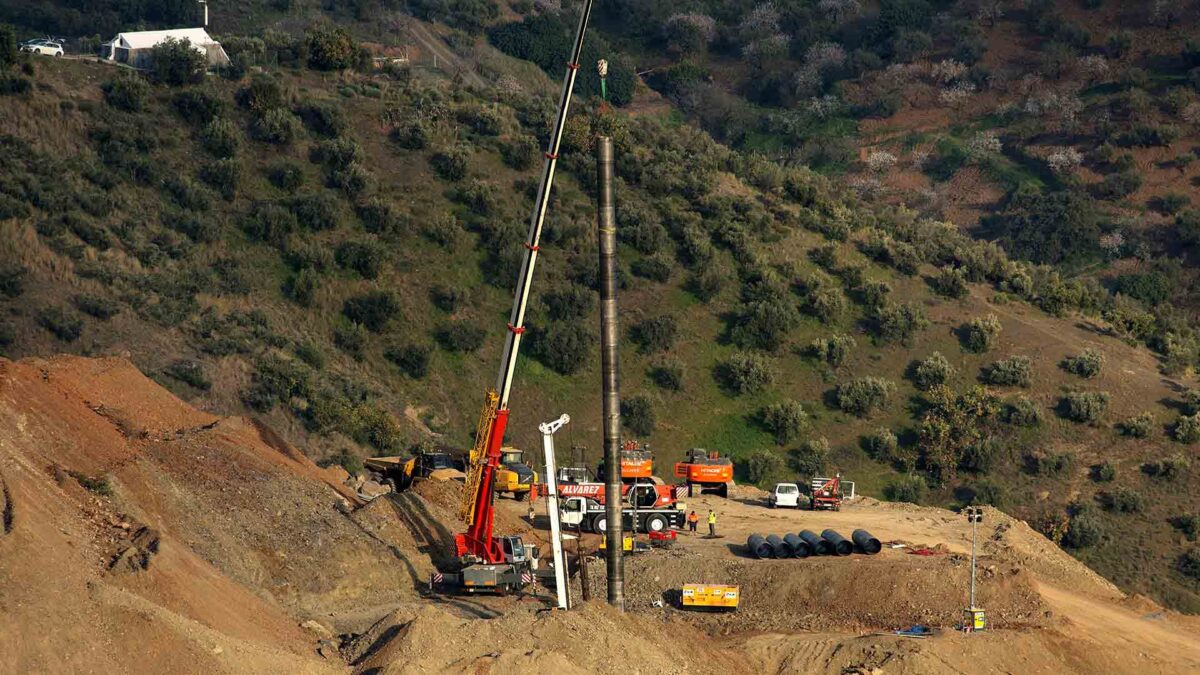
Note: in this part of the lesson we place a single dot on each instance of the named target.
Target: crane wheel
(600, 524)
(655, 523)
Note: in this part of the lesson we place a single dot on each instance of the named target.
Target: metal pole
(609, 373)
(548, 430)
(973, 526)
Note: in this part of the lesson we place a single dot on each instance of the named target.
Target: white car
(43, 47)
(784, 495)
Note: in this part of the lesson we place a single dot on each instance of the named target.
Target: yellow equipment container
(627, 544)
(711, 596)
(976, 619)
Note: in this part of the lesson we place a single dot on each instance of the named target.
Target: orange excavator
(708, 470)
(637, 463)
(489, 562)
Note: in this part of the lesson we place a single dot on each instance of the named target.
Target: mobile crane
(489, 562)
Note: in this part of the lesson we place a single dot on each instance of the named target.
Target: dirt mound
(887, 591)
(590, 639)
(142, 535)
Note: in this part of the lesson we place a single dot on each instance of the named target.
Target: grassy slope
(447, 400)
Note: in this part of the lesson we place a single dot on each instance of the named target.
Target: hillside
(332, 252)
(142, 534)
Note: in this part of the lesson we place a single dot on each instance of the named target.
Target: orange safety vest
(692, 517)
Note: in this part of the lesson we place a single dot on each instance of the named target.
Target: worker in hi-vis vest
(712, 523)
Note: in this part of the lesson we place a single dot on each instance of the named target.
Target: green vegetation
(785, 420)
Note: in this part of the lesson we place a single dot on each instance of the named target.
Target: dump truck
(401, 472)
(708, 470)
(514, 476)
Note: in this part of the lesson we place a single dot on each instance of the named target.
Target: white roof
(148, 38)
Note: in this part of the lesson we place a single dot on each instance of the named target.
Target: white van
(784, 495)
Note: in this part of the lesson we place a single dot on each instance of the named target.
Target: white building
(136, 49)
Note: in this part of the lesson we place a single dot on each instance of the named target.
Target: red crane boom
(478, 544)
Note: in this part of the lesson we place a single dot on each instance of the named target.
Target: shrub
(352, 463)
(1015, 371)
(875, 294)
(1084, 530)
(1187, 429)
(785, 420)
(65, 325)
(637, 415)
(1087, 364)
(127, 93)
(931, 371)
(655, 334)
(1023, 412)
(276, 126)
(1189, 525)
(310, 354)
(177, 63)
(746, 373)
(569, 302)
(1168, 468)
(564, 346)
(96, 306)
(263, 93)
(364, 257)
(380, 217)
(981, 334)
(987, 492)
(834, 350)
(11, 277)
(330, 48)
(881, 444)
(864, 395)
(1116, 186)
(198, 106)
(809, 459)
(655, 268)
(1054, 464)
(302, 286)
(451, 163)
(908, 489)
(412, 135)
(899, 322)
(705, 284)
(190, 372)
(1189, 563)
(223, 175)
(413, 360)
(764, 466)
(1124, 500)
(324, 119)
(520, 152)
(316, 211)
(373, 310)
(950, 282)
(981, 456)
(1086, 407)
(352, 339)
(285, 175)
(1138, 426)
(447, 298)
(97, 484)
(459, 336)
(1104, 472)
(276, 381)
(668, 374)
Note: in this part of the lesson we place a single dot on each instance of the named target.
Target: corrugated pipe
(782, 548)
(818, 545)
(865, 542)
(758, 546)
(841, 545)
(800, 549)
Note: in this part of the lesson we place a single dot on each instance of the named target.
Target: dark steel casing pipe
(758, 546)
(841, 545)
(865, 542)
(818, 545)
(606, 222)
(781, 547)
(800, 548)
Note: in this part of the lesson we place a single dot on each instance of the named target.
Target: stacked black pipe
(807, 543)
